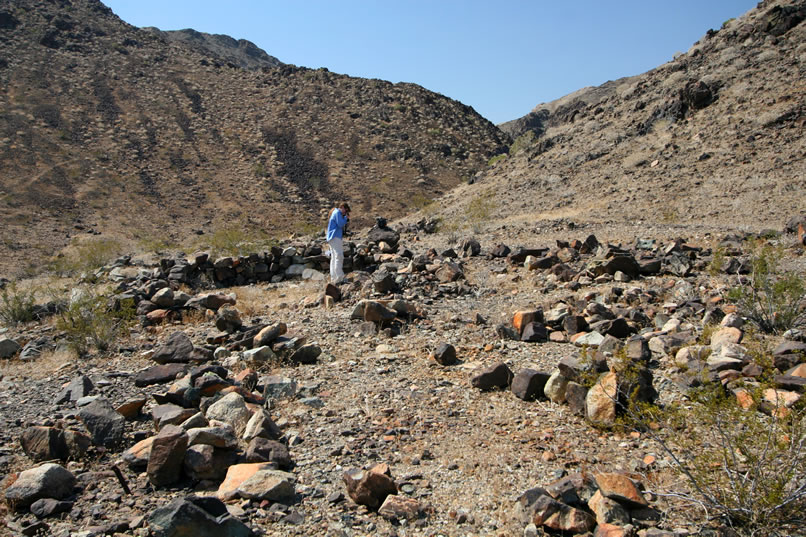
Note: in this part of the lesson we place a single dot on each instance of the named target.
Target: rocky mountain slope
(125, 132)
(712, 138)
(234, 52)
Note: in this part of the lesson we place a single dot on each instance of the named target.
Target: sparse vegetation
(745, 469)
(16, 304)
(88, 322)
(86, 256)
(770, 297)
(522, 142)
(237, 239)
(481, 207)
(497, 158)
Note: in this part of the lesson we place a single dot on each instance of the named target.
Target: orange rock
(131, 408)
(649, 460)
(248, 396)
(619, 487)
(237, 474)
(158, 316)
(744, 398)
(576, 336)
(524, 317)
(611, 530)
(557, 337)
(799, 371)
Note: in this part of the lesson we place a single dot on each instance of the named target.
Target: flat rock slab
(159, 374)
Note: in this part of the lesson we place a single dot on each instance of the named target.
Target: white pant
(336, 259)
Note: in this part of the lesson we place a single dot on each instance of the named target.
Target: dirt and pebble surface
(371, 397)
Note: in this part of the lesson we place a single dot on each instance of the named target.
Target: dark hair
(346, 206)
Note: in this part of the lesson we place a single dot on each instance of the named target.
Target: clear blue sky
(502, 58)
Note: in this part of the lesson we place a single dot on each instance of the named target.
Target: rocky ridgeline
(208, 414)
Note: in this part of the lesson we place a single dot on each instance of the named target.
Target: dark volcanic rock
(105, 424)
(197, 517)
(497, 376)
(528, 384)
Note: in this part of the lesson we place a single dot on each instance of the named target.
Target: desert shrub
(237, 239)
(89, 322)
(16, 305)
(87, 256)
(745, 469)
(480, 208)
(522, 142)
(718, 258)
(770, 297)
(496, 158)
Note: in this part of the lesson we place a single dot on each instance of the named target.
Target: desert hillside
(143, 136)
(591, 335)
(713, 137)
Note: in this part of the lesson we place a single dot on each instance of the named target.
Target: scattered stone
(601, 400)
(555, 387)
(49, 443)
(131, 408)
(529, 384)
(275, 387)
(105, 424)
(267, 484)
(497, 376)
(307, 354)
(271, 451)
(178, 348)
(199, 517)
(46, 481)
(8, 347)
(445, 354)
(167, 455)
(369, 487)
(621, 488)
(79, 387)
(47, 507)
(230, 409)
(399, 508)
(159, 374)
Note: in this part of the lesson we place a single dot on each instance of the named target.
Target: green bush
(522, 142)
(88, 322)
(16, 305)
(746, 469)
(771, 298)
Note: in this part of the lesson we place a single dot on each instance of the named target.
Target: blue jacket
(335, 226)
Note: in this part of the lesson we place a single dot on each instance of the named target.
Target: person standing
(335, 235)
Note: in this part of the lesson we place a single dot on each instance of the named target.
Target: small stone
(528, 384)
(445, 354)
(399, 508)
(369, 487)
(621, 488)
(497, 376)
